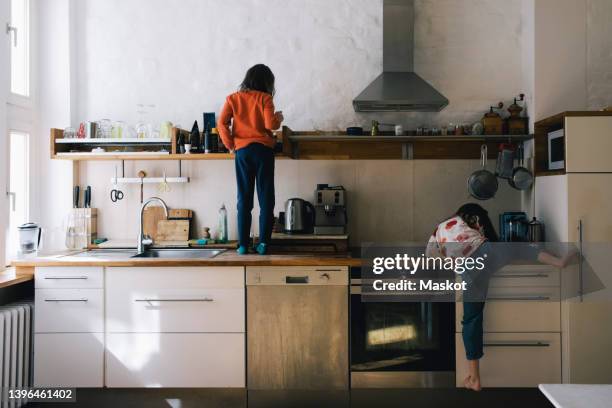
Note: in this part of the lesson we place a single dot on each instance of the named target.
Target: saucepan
(521, 179)
(482, 184)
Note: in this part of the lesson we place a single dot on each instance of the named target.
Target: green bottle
(222, 225)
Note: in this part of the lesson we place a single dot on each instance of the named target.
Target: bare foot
(472, 382)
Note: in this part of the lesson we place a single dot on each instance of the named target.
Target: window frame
(18, 99)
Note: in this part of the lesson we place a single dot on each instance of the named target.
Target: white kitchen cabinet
(175, 310)
(515, 359)
(562, 202)
(68, 359)
(175, 327)
(588, 142)
(175, 360)
(69, 326)
(62, 277)
(517, 316)
(69, 311)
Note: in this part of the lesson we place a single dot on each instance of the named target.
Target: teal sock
(262, 248)
(242, 250)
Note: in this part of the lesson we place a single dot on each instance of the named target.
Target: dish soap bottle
(222, 224)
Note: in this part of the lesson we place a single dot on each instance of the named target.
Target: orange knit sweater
(252, 120)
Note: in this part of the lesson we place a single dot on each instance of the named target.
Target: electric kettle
(29, 237)
(299, 216)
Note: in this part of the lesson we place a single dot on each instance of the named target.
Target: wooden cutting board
(152, 216)
(172, 230)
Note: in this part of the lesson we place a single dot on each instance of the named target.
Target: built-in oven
(400, 344)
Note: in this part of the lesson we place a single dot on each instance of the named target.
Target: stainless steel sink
(180, 253)
(163, 253)
(106, 253)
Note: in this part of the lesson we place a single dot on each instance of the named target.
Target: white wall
(323, 53)
(54, 106)
(599, 53)
(186, 56)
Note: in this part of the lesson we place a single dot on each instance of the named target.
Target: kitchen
(139, 62)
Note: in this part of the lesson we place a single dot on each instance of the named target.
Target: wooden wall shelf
(304, 145)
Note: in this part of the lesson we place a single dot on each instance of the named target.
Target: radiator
(16, 325)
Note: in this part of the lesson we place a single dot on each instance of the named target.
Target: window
(19, 176)
(20, 47)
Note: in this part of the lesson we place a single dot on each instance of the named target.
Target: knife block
(82, 227)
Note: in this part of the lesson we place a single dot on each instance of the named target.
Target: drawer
(58, 277)
(515, 360)
(194, 310)
(526, 276)
(175, 360)
(175, 277)
(312, 275)
(517, 316)
(69, 310)
(69, 360)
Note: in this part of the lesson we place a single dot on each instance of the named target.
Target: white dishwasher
(297, 328)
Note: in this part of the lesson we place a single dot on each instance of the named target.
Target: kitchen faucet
(145, 239)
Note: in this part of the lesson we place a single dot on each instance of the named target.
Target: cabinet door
(174, 310)
(69, 310)
(175, 360)
(590, 200)
(515, 360)
(517, 316)
(588, 143)
(297, 337)
(73, 277)
(68, 359)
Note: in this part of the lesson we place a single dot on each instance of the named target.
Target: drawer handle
(66, 300)
(174, 300)
(66, 277)
(519, 298)
(525, 275)
(518, 344)
(296, 279)
(328, 270)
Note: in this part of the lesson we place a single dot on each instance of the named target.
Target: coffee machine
(330, 210)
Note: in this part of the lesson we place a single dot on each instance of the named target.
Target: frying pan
(521, 179)
(482, 184)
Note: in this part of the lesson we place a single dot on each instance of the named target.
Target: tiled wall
(388, 201)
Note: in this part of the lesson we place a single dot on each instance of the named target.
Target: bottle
(222, 224)
(207, 142)
(214, 137)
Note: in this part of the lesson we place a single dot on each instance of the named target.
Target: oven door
(401, 344)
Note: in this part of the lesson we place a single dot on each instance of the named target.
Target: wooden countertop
(15, 276)
(229, 258)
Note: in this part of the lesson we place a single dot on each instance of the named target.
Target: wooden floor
(228, 398)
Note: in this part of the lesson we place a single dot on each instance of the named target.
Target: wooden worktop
(229, 258)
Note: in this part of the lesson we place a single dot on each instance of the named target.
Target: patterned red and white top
(454, 238)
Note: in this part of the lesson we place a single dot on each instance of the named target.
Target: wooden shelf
(142, 156)
(116, 141)
(408, 139)
(304, 145)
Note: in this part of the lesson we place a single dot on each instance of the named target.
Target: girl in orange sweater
(250, 113)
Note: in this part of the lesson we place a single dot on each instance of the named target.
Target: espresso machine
(330, 210)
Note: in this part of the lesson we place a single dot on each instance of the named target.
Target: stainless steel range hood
(398, 88)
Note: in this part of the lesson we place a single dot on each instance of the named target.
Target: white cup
(399, 130)
(187, 149)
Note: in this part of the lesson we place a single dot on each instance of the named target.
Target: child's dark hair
(258, 78)
(472, 214)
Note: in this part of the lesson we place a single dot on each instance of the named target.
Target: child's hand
(279, 116)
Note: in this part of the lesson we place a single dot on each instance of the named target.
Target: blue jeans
(472, 329)
(255, 166)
